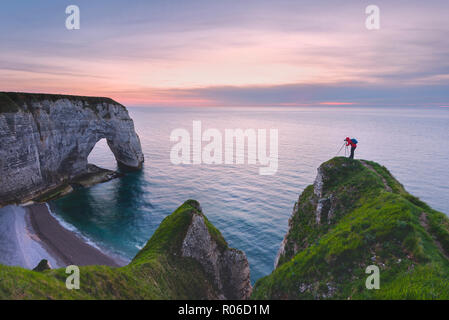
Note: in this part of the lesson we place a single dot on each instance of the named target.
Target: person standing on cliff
(353, 143)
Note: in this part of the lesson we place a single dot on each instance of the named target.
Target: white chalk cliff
(45, 140)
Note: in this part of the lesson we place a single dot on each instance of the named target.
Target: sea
(252, 210)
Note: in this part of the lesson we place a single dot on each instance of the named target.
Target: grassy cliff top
(14, 101)
(7, 105)
(360, 216)
(157, 272)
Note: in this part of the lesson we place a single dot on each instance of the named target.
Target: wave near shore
(32, 233)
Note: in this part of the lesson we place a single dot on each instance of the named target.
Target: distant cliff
(186, 258)
(45, 140)
(357, 214)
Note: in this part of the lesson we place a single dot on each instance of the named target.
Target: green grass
(14, 101)
(157, 272)
(363, 223)
(7, 105)
(371, 226)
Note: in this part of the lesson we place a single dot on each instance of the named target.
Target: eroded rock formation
(228, 267)
(357, 217)
(45, 140)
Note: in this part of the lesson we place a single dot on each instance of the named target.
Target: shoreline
(19, 245)
(64, 245)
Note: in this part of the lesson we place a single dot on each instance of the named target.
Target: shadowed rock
(228, 267)
(42, 266)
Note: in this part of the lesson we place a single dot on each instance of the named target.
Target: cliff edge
(45, 140)
(186, 258)
(355, 215)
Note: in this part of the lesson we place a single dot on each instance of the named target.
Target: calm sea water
(252, 211)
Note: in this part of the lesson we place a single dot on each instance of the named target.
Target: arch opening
(102, 156)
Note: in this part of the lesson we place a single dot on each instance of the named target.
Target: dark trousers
(352, 152)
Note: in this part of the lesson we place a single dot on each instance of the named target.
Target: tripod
(346, 149)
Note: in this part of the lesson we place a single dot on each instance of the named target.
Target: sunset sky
(230, 53)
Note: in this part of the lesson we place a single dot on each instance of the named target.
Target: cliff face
(228, 267)
(356, 214)
(45, 140)
(186, 258)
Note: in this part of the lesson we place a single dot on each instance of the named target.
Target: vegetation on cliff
(14, 101)
(159, 271)
(355, 215)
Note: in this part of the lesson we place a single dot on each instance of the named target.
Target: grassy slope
(157, 272)
(371, 225)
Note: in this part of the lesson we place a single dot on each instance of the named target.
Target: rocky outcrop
(186, 258)
(355, 216)
(281, 250)
(42, 266)
(321, 204)
(45, 140)
(228, 267)
(318, 202)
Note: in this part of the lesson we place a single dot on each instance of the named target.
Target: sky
(230, 53)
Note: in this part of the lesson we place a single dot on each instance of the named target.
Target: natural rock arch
(102, 156)
(46, 140)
